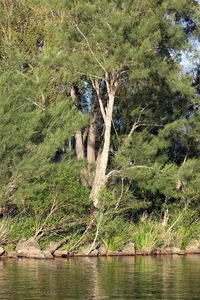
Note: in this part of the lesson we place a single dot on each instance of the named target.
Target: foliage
(113, 243)
(6, 225)
(154, 154)
(147, 234)
(186, 229)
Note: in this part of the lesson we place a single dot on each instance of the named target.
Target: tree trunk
(79, 147)
(91, 139)
(100, 175)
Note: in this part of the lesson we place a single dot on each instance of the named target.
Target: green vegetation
(99, 123)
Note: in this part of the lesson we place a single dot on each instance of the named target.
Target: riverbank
(31, 249)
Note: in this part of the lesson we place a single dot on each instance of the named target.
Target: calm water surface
(166, 277)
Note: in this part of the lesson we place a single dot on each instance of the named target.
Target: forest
(99, 130)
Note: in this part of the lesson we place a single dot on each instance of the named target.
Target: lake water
(165, 277)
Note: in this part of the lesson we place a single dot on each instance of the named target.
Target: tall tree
(37, 116)
(113, 41)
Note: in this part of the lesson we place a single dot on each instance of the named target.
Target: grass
(5, 226)
(148, 234)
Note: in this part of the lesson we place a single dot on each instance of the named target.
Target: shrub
(58, 203)
(147, 234)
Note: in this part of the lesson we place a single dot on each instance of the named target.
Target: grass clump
(5, 228)
(186, 228)
(148, 234)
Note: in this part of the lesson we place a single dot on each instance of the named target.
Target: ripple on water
(165, 277)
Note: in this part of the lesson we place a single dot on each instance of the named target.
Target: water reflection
(166, 277)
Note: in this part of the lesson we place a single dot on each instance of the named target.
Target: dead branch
(178, 219)
(122, 191)
(52, 211)
(96, 235)
(116, 172)
(137, 123)
(95, 84)
(83, 235)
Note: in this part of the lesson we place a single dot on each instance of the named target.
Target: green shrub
(187, 229)
(58, 204)
(147, 234)
(113, 243)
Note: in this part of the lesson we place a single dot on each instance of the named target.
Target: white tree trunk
(100, 175)
(79, 147)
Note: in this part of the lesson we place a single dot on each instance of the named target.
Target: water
(166, 277)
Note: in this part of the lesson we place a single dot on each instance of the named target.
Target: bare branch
(90, 75)
(52, 211)
(95, 84)
(136, 124)
(122, 191)
(86, 230)
(186, 156)
(118, 172)
(179, 217)
(96, 235)
(85, 38)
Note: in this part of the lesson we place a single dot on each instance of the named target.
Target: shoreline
(63, 254)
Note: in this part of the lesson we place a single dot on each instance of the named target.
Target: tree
(115, 41)
(37, 115)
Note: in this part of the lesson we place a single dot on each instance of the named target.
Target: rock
(47, 254)
(20, 244)
(168, 250)
(83, 251)
(2, 251)
(94, 252)
(12, 254)
(30, 244)
(31, 249)
(176, 250)
(72, 254)
(103, 250)
(22, 253)
(144, 251)
(129, 249)
(115, 253)
(193, 248)
(162, 251)
(52, 246)
(182, 252)
(60, 253)
(35, 254)
(158, 251)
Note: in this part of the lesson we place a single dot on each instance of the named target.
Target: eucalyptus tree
(117, 45)
(113, 41)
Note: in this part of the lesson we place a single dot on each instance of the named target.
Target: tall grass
(148, 234)
(5, 225)
(113, 243)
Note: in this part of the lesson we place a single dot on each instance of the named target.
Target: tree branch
(52, 211)
(96, 235)
(86, 230)
(95, 84)
(85, 38)
(137, 123)
(90, 75)
(116, 172)
(122, 191)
